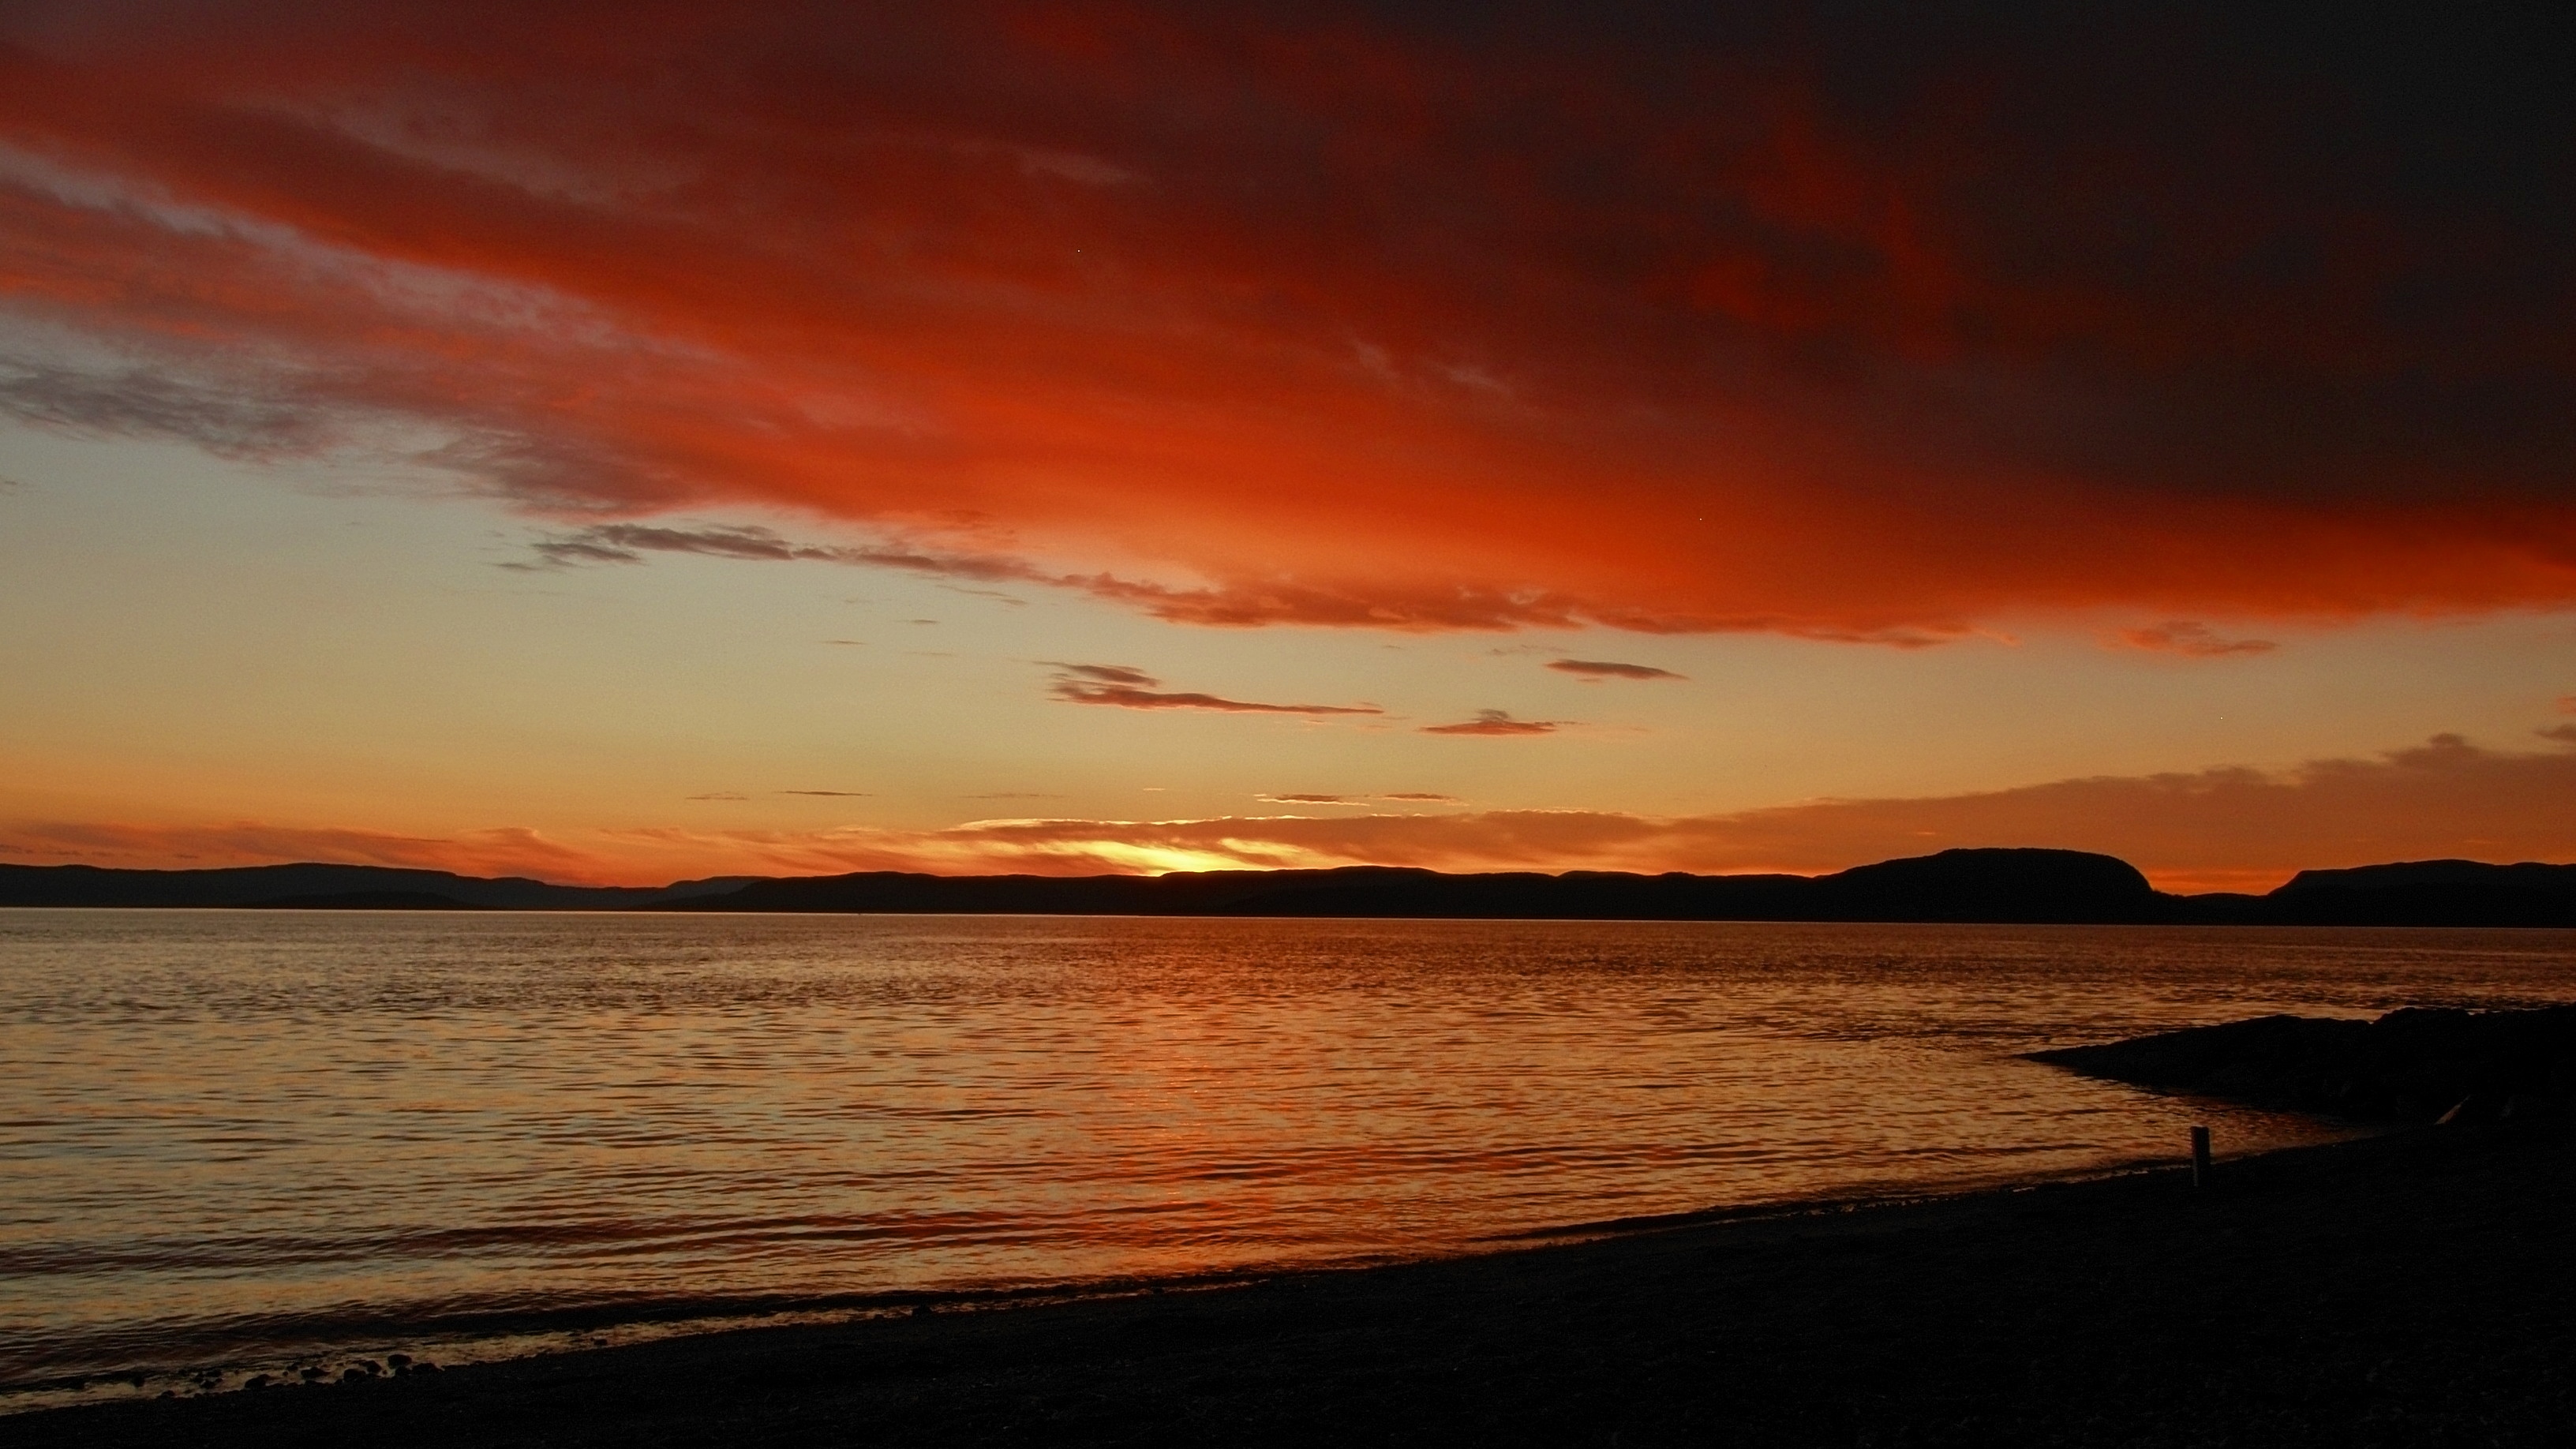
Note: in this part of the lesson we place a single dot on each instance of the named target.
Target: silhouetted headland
(2408, 1066)
(2002, 886)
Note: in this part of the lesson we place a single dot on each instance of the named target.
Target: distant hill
(2430, 893)
(311, 885)
(1997, 885)
(1956, 885)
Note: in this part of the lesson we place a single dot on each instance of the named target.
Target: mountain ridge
(2001, 885)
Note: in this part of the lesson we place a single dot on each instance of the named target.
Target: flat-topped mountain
(1993, 885)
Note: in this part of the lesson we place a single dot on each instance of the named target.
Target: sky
(618, 443)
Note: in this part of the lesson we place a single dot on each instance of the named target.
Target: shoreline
(2402, 1253)
(480, 1339)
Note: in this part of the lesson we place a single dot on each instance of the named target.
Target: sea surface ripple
(243, 1138)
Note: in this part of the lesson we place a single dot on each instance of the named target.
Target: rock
(2408, 1066)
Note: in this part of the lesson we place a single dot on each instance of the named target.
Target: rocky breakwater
(2410, 1066)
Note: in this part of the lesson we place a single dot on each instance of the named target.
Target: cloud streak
(2194, 641)
(1124, 688)
(1424, 797)
(1597, 669)
(1496, 724)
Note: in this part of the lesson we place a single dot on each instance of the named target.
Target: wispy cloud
(721, 795)
(832, 794)
(505, 851)
(1403, 796)
(1245, 603)
(1596, 669)
(2182, 636)
(1496, 723)
(1125, 688)
(220, 416)
(628, 543)
(1110, 674)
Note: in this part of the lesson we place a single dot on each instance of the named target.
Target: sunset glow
(627, 443)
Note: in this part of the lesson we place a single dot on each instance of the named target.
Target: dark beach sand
(2413, 1289)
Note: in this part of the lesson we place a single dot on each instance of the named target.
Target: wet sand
(2407, 1290)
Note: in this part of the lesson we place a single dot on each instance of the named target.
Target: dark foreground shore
(2416, 1289)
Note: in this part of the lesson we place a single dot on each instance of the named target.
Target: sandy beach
(2403, 1290)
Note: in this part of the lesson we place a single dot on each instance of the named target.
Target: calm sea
(252, 1141)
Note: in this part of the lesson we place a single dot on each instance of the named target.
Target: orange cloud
(1242, 318)
(2227, 828)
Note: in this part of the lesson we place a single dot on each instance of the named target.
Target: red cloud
(1242, 317)
(1496, 723)
(1602, 669)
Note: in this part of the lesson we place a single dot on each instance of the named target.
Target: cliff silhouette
(2004, 886)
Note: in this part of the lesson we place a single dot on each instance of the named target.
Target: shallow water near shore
(245, 1139)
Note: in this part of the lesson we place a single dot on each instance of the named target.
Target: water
(243, 1139)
